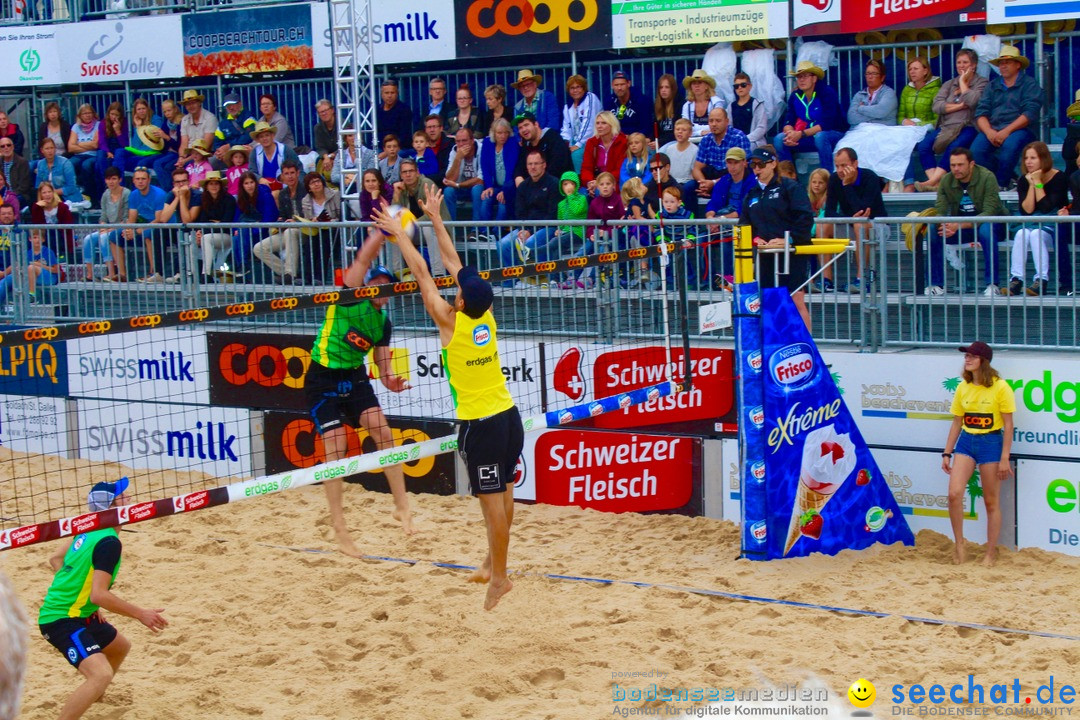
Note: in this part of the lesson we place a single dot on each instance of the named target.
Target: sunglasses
(142, 168)
(757, 164)
(740, 86)
(4, 145)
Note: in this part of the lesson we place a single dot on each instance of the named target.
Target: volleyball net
(206, 406)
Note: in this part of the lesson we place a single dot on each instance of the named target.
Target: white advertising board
(30, 55)
(165, 365)
(214, 440)
(1048, 511)
(904, 398)
(33, 424)
(1014, 11)
(115, 50)
(403, 32)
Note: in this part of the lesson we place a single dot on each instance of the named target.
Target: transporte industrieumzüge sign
(648, 23)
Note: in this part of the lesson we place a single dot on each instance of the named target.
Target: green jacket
(574, 206)
(983, 191)
(919, 103)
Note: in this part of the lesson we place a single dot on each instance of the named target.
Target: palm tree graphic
(974, 491)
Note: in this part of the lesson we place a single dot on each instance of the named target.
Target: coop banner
(248, 41)
(489, 28)
(648, 23)
(824, 491)
(825, 17)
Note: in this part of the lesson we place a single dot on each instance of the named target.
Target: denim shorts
(984, 447)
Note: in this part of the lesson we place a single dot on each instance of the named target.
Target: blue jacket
(234, 130)
(824, 109)
(547, 111)
(487, 164)
(63, 177)
(636, 116)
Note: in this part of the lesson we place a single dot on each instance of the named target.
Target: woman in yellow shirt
(981, 434)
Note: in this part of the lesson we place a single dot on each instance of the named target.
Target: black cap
(619, 75)
(526, 115)
(762, 155)
(475, 291)
(230, 99)
(979, 349)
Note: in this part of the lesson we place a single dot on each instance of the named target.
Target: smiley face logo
(862, 693)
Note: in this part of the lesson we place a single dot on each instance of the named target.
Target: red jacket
(616, 155)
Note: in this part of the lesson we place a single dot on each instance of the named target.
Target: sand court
(267, 621)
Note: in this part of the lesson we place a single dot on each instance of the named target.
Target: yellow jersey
(473, 369)
(980, 407)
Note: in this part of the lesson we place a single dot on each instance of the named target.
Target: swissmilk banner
(823, 490)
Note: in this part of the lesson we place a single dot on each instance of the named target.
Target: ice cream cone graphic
(828, 459)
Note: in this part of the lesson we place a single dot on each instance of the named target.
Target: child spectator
(238, 165)
(673, 209)
(636, 164)
(786, 169)
(681, 152)
(607, 205)
(44, 268)
(633, 197)
(199, 165)
(388, 163)
(561, 243)
(51, 210)
(427, 162)
(817, 191)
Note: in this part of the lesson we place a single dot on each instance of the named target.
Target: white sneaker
(934, 290)
(523, 251)
(952, 256)
(155, 278)
(991, 290)
(173, 280)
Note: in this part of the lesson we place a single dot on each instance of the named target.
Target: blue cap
(762, 155)
(102, 495)
(377, 270)
(476, 292)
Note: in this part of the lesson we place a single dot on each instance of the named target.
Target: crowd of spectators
(682, 154)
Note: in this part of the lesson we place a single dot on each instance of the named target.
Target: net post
(744, 254)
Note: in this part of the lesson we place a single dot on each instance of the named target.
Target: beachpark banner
(401, 32)
(1048, 510)
(117, 50)
(1012, 11)
(823, 491)
(828, 17)
(248, 41)
(491, 28)
(650, 23)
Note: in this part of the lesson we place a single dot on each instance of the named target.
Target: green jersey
(69, 594)
(348, 334)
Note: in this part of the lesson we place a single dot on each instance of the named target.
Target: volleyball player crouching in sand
(70, 617)
(340, 391)
(491, 436)
(981, 434)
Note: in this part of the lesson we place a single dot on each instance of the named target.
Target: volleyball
(406, 218)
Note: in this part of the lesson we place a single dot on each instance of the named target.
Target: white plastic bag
(884, 149)
(760, 65)
(719, 62)
(817, 52)
(987, 47)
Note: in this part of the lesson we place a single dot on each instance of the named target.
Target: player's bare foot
(990, 558)
(495, 593)
(482, 574)
(404, 516)
(348, 547)
(959, 554)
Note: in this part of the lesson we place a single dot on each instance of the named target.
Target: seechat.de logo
(792, 366)
(481, 335)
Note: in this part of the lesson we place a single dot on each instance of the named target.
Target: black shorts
(490, 448)
(79, 638)
(338, 396)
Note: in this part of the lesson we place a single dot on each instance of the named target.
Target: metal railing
(932, 294)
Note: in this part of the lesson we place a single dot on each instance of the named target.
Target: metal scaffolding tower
(354, 81)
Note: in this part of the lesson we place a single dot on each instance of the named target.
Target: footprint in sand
(548, 678)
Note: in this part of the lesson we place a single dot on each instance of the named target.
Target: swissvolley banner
(817, 488)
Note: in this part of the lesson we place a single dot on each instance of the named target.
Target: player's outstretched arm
(100, 594)
(369, 250)
(390, 380)
(439, 310)
(431, 204)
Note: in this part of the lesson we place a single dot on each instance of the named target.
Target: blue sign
(824, 491)
(37, 368)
